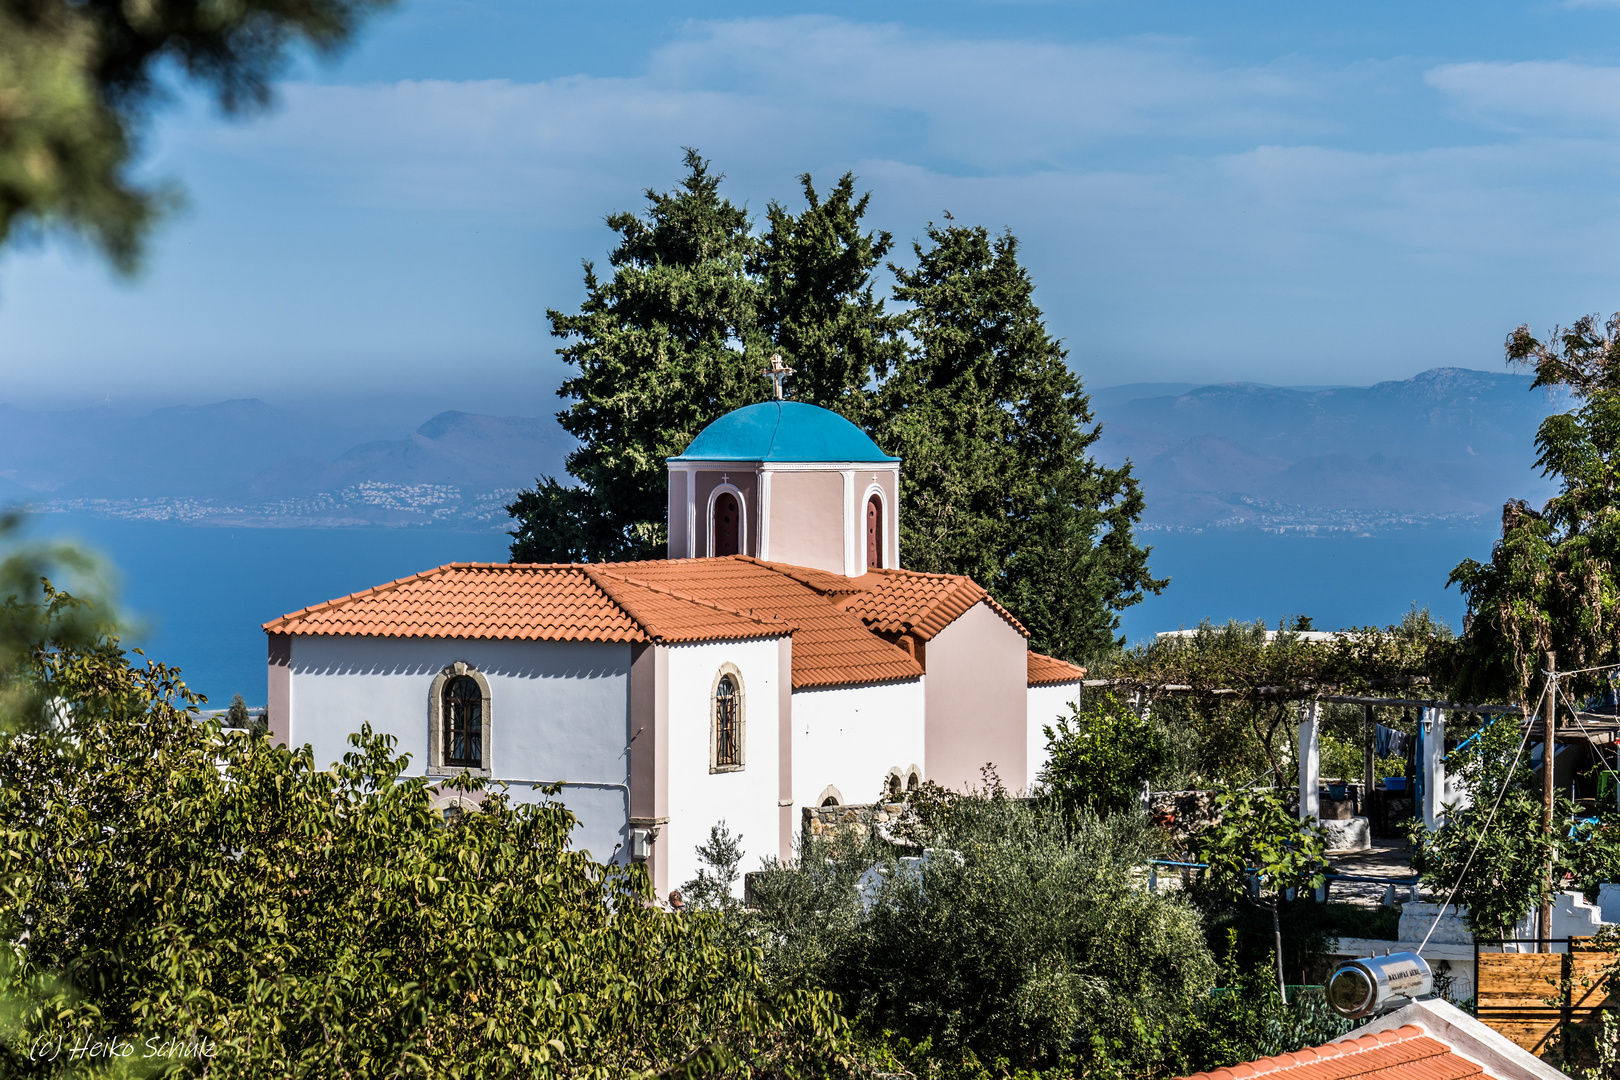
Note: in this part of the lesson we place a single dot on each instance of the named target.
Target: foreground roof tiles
(1050, 671)
(1404, 1053)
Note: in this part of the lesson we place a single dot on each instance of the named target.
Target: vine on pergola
(1241, 665)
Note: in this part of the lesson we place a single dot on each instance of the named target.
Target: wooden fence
(1545, 1002)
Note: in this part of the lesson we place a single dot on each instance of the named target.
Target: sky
(1297, 194)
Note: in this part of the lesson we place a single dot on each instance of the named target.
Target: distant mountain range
(246, 463)
(1446, 447)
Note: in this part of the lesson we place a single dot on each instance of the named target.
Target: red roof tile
(668, 600)
(524, 603)
(1050, 671)
(909, 602)
(831, 647)
(1406, 1053)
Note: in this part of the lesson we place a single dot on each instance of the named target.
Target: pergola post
(1434, 767)
(1310, 762)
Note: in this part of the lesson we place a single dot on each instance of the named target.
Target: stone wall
(857, 817)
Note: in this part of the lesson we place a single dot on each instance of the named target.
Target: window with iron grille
(727, 724)
(463, 714)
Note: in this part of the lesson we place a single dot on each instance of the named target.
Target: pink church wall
(279, 699)
(976, 691)
(743, 479)
(807, 519)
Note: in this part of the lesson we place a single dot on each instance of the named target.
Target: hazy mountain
(1447, 446)
(1449, 443)
(248, 463)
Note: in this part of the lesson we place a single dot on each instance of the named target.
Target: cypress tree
(679, 336)
(656, 353)
(994, 430)
(818, 308)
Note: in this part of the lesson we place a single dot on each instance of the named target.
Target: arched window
(874, 533)
(727, 524)
(913, 782)
(894, 783)
(727, 738)
(463, 716)
(460, 724)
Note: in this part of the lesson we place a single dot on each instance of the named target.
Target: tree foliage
(965, 385)
(1259, 852)
(79, 80)
(1099, 756)
(1551, 582)
(161, 878)
(1020, 942)
(995, 432)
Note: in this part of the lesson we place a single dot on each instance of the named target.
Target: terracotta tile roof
(831, 647)
(835, 621)
(1404, 1053)
(909, 602)
(525, 603)
(1050, 671)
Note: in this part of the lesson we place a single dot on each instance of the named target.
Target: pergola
(1592, 728)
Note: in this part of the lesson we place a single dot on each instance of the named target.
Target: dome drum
(788, 482)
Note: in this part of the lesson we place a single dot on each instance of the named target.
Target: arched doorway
(726, 521)
(874, 533)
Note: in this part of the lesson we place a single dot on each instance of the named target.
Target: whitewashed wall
(851, 736)
(1046, 705)
(746, 799)
(559, 712)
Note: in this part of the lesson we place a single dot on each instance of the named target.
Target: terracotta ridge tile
(596, 574)
(787, 571)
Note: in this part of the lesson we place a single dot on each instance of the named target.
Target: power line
(1506, 781)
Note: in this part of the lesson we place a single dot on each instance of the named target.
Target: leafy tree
(995, 431)
(1551, 582)
(81, 82)
(720, 855)
(1100, 756)
(1258, 852)
(678, 337)
(1019, 943)
(1507, 876)
(160, 877)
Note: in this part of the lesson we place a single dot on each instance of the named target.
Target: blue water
(197, 595)
(1339, 581)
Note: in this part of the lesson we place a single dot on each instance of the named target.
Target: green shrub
(161, 878)
(1024, 940)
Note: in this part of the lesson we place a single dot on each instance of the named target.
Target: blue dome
(782, 431)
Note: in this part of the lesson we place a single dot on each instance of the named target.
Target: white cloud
(1534, 93)
(1171, 207)
(780, 93)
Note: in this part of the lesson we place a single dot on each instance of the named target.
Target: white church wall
(745, 799)
(1046, 705)
(559, 711)
(849, 737)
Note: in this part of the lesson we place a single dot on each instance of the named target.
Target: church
(779, 659)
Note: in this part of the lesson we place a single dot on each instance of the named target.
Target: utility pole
(1547, 748)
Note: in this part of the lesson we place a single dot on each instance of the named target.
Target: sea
(196, 596)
